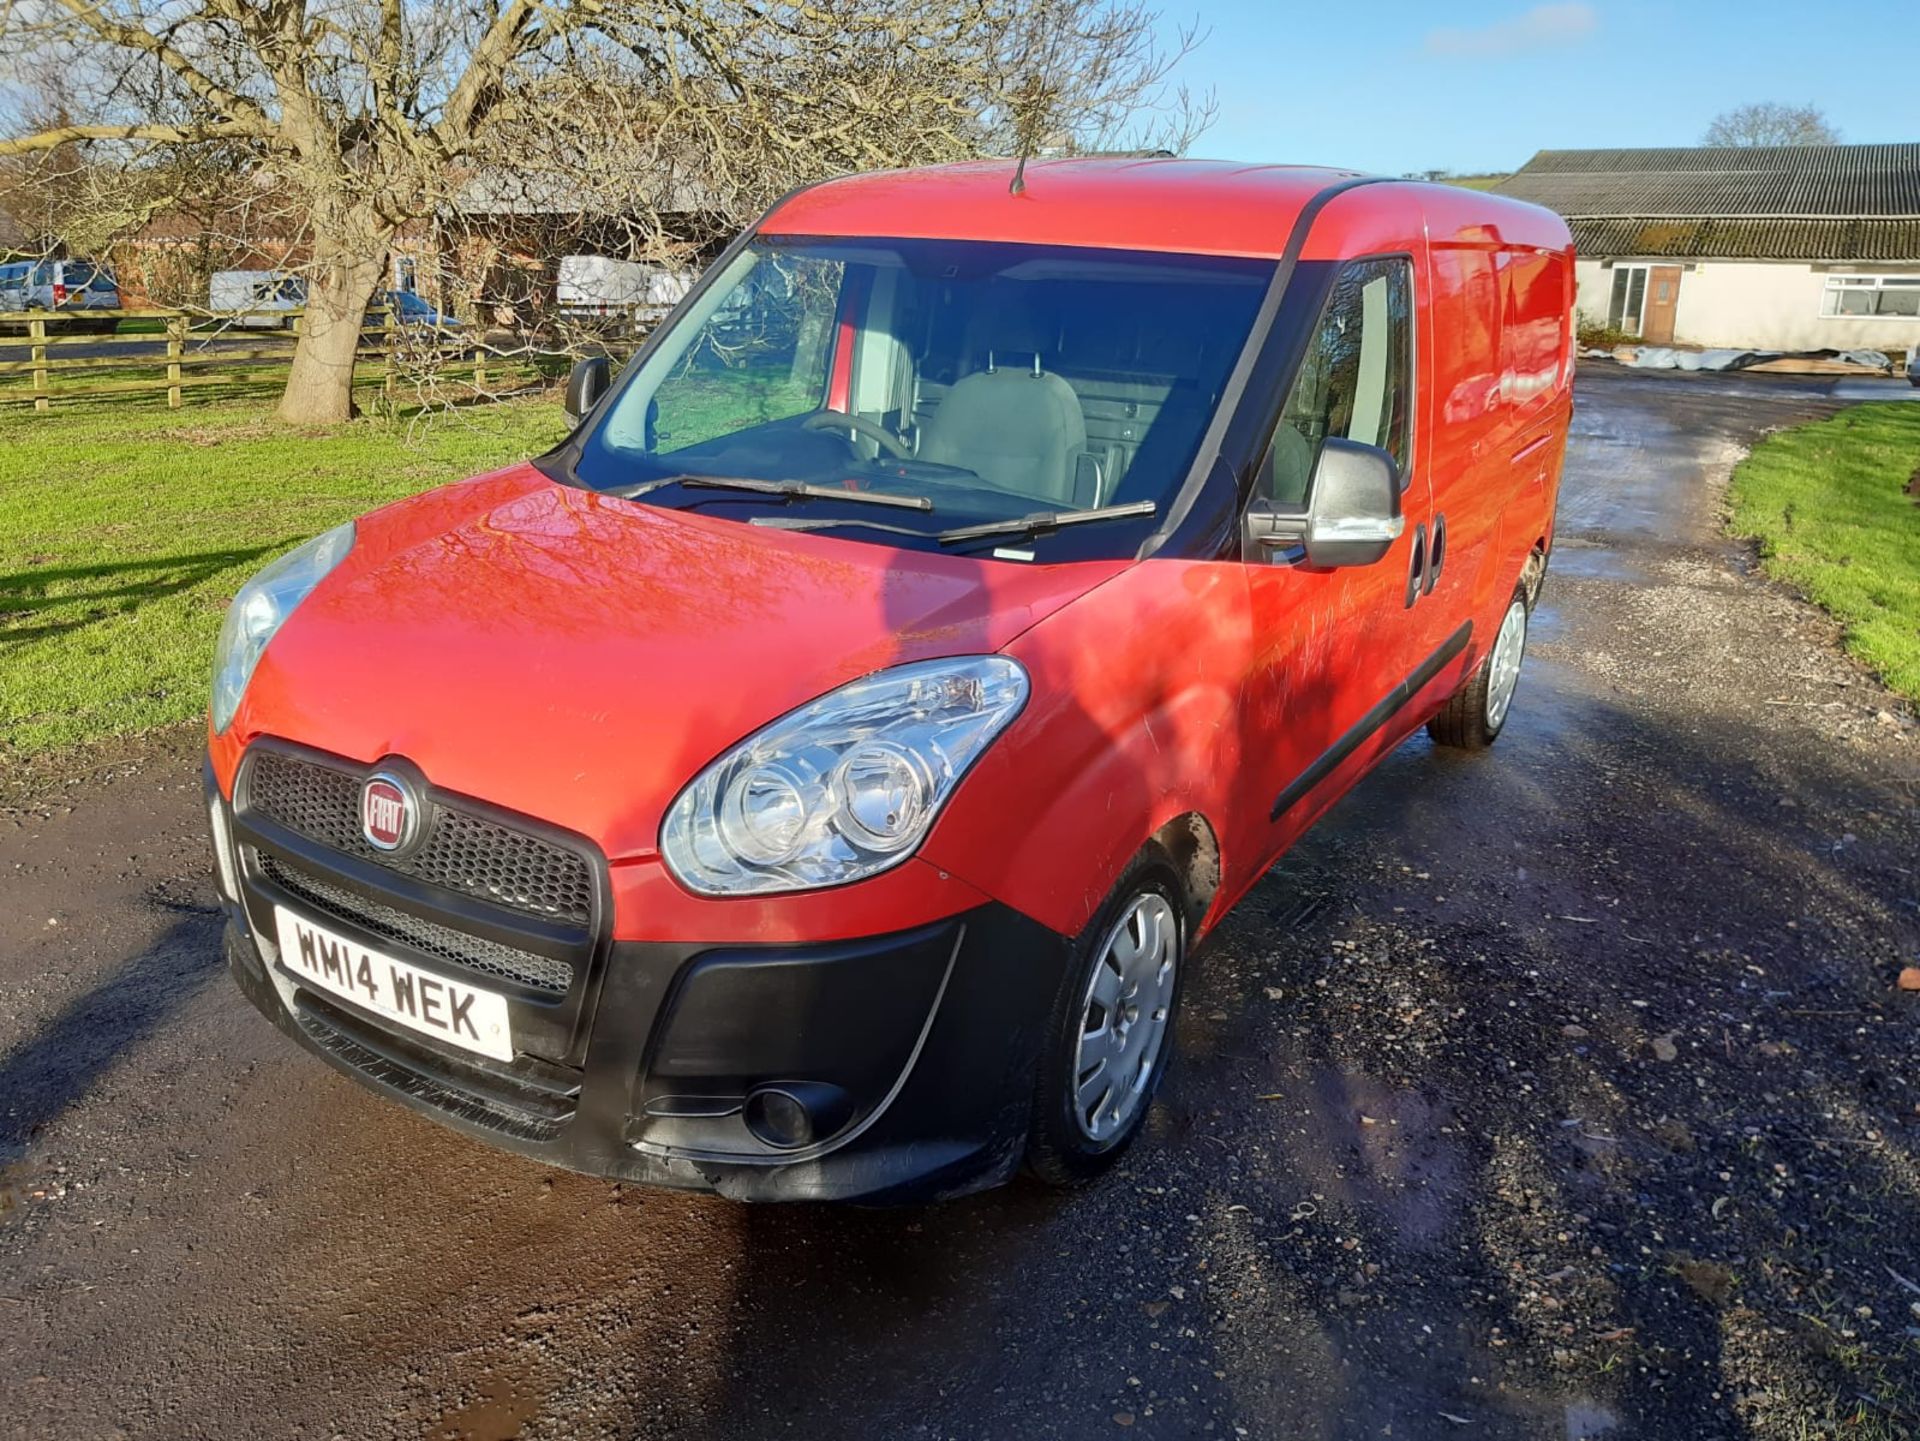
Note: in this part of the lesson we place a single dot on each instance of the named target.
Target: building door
(1629, 298)
(1663, 295)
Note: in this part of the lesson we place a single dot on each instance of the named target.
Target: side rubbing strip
(1362, 730)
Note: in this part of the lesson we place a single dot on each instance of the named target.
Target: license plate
(451, 1011)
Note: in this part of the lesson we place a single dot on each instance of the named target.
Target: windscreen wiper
(1043, 521)
(831, 522)
(786, 489)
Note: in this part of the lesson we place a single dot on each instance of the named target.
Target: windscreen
(985, 382)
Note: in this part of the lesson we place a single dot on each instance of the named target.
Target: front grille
(526, 1110)
(474, 953)
(461, 851)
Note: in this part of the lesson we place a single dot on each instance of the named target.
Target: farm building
(1788, 247)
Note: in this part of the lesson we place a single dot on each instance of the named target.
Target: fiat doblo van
(811, 780)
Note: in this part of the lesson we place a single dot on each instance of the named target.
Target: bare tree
(379, 114)
(1769, 122)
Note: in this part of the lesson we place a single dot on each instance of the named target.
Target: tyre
(1110, 1034)
(1475, 714)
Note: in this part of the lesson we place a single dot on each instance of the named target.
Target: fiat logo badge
(389, 814)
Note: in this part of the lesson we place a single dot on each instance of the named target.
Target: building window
(1892, 296)
(1627, 307)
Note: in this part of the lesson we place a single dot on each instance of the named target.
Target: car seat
(1020, 428)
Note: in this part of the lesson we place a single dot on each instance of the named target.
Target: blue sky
(1393, 86)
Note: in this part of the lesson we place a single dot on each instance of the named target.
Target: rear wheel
(1475, 714)
(1111, 1032)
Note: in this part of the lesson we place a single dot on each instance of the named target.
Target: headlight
(843, 788)
(261, 608)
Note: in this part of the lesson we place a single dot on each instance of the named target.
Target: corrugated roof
(1805, 181)
(1746, 238)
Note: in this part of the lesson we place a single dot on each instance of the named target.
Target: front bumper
(913, 1052)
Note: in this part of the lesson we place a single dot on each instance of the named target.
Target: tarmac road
(1561, 1092)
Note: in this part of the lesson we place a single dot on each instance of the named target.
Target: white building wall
(1775, 305)
(1593, 290)
(1759, 305)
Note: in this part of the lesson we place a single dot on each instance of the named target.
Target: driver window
(759, 358)
(1355, 381)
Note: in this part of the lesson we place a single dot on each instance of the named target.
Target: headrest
(1010, 328)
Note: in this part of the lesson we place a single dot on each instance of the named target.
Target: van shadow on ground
(54, 1068)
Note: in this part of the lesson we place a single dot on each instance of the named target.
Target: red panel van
(813, 778)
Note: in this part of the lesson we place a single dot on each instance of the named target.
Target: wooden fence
(64, 363)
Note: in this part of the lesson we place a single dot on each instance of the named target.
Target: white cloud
(1541, 27)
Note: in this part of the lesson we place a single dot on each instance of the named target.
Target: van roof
(1205, 207)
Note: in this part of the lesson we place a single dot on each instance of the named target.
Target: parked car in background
(810, 780)
(67, 287)
(598, 290)
(256, 299)
(411, 312)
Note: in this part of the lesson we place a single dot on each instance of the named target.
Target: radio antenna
(1028, 111)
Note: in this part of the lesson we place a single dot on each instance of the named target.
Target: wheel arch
(1113, 797)
(1191, 843)
(1534, 572)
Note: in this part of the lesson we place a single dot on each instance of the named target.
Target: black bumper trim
(951, 1117)
(526, 1112)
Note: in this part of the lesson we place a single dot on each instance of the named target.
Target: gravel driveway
(1560, 1092)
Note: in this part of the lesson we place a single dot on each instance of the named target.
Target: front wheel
(1111, 1033)
(1474, 715)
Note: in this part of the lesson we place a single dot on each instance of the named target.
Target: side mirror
(1353, 514)
(586, 383)
(1352, 518)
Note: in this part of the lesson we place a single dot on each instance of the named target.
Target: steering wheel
(859, 425)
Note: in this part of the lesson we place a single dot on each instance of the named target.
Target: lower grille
(523, 968)
(528, 1112)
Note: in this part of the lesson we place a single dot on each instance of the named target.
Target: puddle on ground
(1589, 1421)
(1590, 561)
(499, 1415)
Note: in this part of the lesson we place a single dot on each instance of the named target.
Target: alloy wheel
(1503, 673)
(1124, 1015)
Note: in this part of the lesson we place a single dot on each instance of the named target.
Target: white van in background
(598, 288)
(62, 286)
(258, 299)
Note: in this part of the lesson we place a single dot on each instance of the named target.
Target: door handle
(1417, 563)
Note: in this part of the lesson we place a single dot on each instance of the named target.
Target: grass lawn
(125, 530)
(1828, 504)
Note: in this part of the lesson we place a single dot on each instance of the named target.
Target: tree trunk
(340, 285)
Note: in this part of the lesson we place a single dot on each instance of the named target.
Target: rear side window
(1356, 379)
